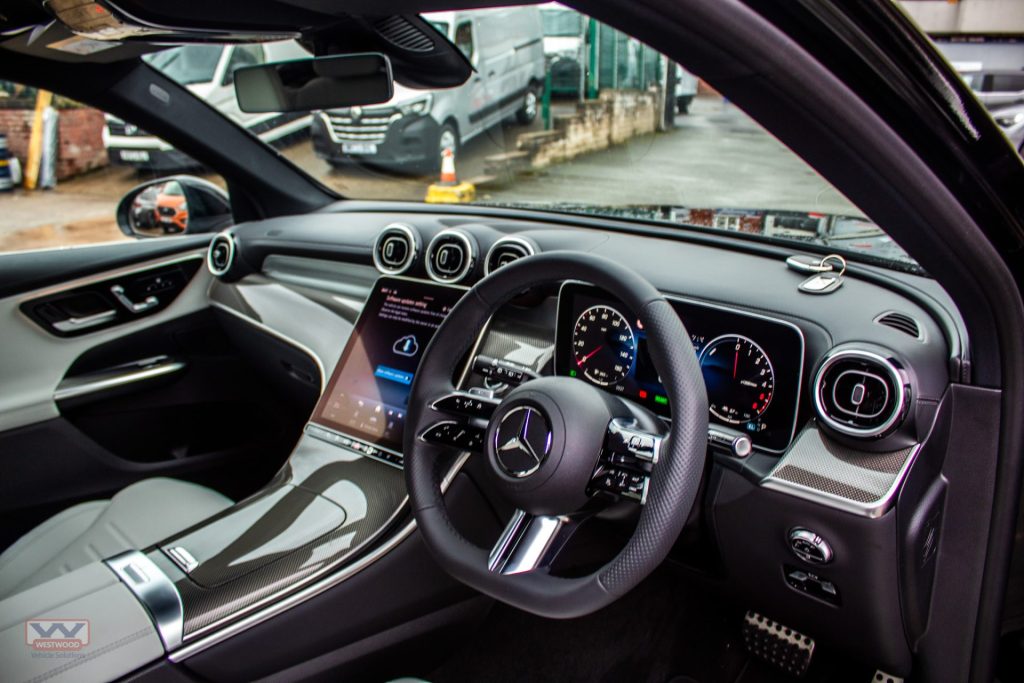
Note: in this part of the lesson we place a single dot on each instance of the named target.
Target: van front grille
(368, 126)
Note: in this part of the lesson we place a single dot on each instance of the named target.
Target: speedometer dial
(739, 378)
(603, 345)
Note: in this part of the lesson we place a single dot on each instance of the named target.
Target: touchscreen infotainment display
(368, 393)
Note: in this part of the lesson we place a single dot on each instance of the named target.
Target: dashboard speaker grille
(401, 32)
(860, 394)
(900, 322)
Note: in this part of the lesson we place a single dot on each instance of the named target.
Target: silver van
(208, 72)
(505, 46)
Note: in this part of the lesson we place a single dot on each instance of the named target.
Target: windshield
(563, 114)
(189, 64)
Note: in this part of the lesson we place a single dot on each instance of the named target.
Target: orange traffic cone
(449, 190)
(448, 176)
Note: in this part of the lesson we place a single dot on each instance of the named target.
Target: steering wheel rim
(674, 481)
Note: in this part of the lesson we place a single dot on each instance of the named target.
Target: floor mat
(661, 631)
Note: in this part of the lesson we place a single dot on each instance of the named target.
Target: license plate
(134, 155)
(359, 147)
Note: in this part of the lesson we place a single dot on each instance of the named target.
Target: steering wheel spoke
(455, 434)
(531, 542)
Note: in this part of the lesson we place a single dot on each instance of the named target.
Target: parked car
(208, 71)
(144, 208)
(996, 87)
(172, 208)
(1011, 120)
(411, 130)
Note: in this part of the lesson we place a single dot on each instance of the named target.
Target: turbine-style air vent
(860, 393)
(396, 249)
(401, 32)
(901, 322)
(505, 251)
(451, 256)
(221, 254)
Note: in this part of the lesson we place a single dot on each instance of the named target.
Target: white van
(505, 46)
(208, 71)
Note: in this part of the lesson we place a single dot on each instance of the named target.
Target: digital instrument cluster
(752, 364)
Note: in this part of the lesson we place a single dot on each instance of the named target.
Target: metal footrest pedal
(882, 677)
(777, 644)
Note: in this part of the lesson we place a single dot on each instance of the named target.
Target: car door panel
(163, 392)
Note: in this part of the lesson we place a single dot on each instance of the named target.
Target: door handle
(133, 306)
(85, 322)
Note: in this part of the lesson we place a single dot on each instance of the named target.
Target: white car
(1011, 120)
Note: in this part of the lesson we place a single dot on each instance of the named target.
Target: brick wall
(79, 138)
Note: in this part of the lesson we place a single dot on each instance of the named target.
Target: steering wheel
(556, 447)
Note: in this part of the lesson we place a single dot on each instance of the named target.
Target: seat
(138, 516)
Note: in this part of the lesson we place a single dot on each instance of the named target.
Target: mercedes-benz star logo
(522, 441)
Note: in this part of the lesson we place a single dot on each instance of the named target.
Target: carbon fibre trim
(819, 469)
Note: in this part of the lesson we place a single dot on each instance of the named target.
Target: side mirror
(173, 206)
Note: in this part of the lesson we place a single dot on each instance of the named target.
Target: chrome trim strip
(73, 324)
(80, 386)
(524, 543)
(898, 381)
(508, 239)
(721, 307)
(329, 581)
(274, 333)
(155, 591)
(414, 248)
(470, 256)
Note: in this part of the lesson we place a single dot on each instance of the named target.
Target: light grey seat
(137, 516)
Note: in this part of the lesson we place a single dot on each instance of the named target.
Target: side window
(91, 160)
(464, 39)
(243, 55)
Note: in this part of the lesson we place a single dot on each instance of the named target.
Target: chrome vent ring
(861, 393)
(396, 249)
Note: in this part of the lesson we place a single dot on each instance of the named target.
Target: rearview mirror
(317, 83)
(172, 206)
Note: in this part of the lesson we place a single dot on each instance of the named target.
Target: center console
(341, 495)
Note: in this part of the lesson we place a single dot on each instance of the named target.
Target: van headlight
(1010, 121)
(417, 106)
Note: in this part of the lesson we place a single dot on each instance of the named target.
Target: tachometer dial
(603, 345)
(739, 378)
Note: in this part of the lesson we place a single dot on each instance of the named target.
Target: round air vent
(451, 256)
(221, 254)
(505, 251)
(860, 393)
(396, 249)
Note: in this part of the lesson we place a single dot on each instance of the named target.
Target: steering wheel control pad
(544, 440)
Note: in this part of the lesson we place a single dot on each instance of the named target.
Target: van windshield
(189, 64)
(562, 114)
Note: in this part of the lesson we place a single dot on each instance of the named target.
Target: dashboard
(836, 394)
